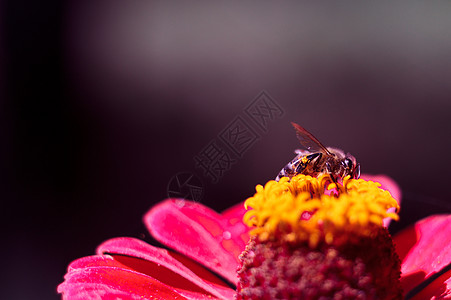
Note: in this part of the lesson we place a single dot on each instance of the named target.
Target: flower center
(313, 237)
(314, 209)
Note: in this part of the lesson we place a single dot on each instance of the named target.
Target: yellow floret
(354, 207)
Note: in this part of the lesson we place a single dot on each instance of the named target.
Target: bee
(317, 159)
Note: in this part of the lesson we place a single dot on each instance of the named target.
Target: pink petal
(103, 278)
(197, 232)
(170, 268)
(424, 250)
(238, 230)
(387, 184)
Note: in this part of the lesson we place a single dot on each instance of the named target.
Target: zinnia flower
(295, 247)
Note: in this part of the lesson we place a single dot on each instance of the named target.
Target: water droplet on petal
(226, 235)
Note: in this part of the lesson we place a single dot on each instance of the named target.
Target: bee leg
(328, 168)
(305, 161)
(301, 167)
(317, 157)
(330, 172)
(314, 156)
(332, 176)
(357, 172)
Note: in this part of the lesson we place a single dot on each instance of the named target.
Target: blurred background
(104, 102)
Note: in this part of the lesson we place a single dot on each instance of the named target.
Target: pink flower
(207, 243)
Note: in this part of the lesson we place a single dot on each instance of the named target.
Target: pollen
(318, 210)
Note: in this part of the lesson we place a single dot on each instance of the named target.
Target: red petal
(424, 250)
(387, 184)
(103, 278)
(197, 232)
(169, 268)
(440, 288)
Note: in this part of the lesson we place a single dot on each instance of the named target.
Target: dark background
(103, 102)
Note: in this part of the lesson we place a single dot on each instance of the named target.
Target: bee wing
(308, 140)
